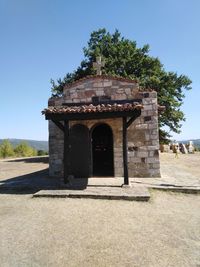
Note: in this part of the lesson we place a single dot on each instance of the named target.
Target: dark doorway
(102, 151)
(80, 152)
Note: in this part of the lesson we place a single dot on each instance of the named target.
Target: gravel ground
(183, 170)
(84, 232)
(79, 232)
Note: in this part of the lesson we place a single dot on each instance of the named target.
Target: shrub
(6, 149)
(42, 153)
(24, 150)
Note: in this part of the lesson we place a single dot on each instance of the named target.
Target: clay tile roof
(92, 109)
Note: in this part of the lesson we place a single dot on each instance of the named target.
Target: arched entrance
(80, 152)
(102, 150)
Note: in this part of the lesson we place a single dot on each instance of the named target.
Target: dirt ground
(84, 232)
(183, 170)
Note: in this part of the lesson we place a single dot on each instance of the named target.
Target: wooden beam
(133, 118)
(125, 157)
(59, 124)
(66, 151)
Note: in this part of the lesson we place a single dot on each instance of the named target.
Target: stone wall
(56, 150)
(117, 89)
(143, 141)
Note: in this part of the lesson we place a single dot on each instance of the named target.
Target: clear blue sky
(43, 39)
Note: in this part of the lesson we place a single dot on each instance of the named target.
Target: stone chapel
(103, 126)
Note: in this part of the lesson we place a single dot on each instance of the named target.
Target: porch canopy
(128, 110)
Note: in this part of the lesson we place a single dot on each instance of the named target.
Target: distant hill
(196, 142)
(39, 145)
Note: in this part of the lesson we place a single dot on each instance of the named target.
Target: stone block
(142, 154)
(151, 153)
(154, 136)
(154, 172)
(98, 84)
(156, 165)
(152, 160)
(100, 93)
(90, 93)
(153, 126)
(121, 97)
(75, 100)
(107, 83)
(128, 91)
(146, 101)
(153, 94)
(148, 107)
(152, 113)
(80, 86)
(155, 143)
(154, 107)
(154, 100)
(132, 162)
(141, 126)
(74, 95)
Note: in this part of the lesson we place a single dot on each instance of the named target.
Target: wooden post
(125, 158)
(66, 151)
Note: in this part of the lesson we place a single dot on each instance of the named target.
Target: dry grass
(79, 232)
(83, 232)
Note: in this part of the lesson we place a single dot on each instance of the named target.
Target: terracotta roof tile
(93, 109)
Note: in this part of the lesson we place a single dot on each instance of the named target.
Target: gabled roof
(100, 77)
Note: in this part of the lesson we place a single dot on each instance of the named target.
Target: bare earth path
(84, 232)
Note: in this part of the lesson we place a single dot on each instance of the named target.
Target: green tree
(124, 59)
(24, 150)
(6, 149)
(42, 152)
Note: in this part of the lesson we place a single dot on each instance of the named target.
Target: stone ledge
(176, 189)
(115, 193)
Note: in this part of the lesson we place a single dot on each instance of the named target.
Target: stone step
(180, 189)
(118, 193)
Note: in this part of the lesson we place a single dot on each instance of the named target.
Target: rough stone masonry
(143, 139)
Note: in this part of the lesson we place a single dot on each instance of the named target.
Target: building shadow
(29, 183)
(39, 180)
(76, 184)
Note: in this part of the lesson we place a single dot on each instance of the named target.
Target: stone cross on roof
(98, 65)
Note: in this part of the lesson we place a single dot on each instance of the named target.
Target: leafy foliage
(124, 59)
(24, 150)
(42, 153)
(21, 150)
(38, 145)
(6, 149)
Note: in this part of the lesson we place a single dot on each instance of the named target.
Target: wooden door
(80, 152)
(102, 151)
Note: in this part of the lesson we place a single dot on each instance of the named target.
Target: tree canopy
(24, 150)
(124, 59)
(6, 149)
(21, 150)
